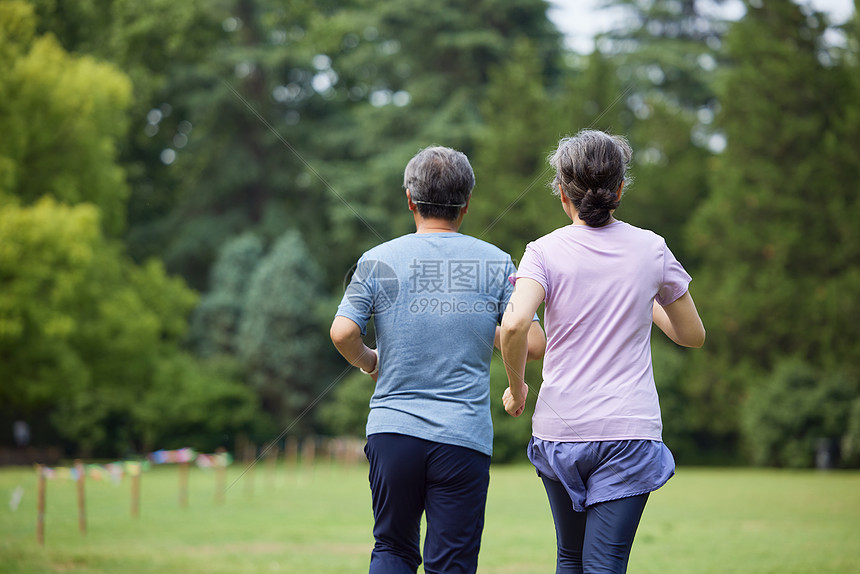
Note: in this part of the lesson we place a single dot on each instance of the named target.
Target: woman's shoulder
(638, 233)
(559, 234)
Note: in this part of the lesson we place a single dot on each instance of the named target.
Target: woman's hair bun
(596, 205)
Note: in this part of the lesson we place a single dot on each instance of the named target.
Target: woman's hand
(515, 403)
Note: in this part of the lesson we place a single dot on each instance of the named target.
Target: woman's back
(600, 286)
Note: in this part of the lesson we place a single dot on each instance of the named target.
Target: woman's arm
(680, 321)
(519, 338)
(536, 341)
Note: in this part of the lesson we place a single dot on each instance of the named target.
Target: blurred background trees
(185, 186)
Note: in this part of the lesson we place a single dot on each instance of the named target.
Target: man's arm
(346, 336)
(518, 330)
(536, 341)
(680, 321)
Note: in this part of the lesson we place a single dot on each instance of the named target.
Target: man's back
(436, 299)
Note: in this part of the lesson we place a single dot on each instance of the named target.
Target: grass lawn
(319, 521)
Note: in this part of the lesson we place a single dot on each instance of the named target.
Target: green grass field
(319, 521)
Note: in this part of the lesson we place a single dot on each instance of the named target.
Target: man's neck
(423, 225)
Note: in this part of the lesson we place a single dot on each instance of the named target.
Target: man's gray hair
(440, 181)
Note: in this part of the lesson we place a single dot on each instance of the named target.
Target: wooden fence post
(250, 461)
(82, 506)
(220, 474)
(135, 494)
(40, 511)
(183, 484)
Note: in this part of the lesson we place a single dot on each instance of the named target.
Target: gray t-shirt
(435, 299)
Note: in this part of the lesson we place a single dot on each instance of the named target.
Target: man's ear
(409, 200)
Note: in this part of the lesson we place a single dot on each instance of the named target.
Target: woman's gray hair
(590, 167)
(440, 181)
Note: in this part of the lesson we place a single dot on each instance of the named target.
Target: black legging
(596, 541)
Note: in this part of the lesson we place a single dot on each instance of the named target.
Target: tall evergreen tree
(776, 237)
(281, 339)
(433, 64)
(85, 333)
(214, 328)
(667, 52)
(512, 204)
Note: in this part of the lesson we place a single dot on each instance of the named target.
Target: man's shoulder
(486, 249)
(385, 248)
(408, 245)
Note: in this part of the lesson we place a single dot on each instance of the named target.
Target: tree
(282, 341)
(215, 322)
(85, 333)
(82, 326)
(153, 42)
(512, 204)
(189, 403)
(773, 237)
(346, 411)
(667, 52)
(797, 413)
(62, 117)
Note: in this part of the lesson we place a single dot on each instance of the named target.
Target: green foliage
(511, 203)
(233, 122)
(772, 238)
(215, 321)
(282, 341)
(850, 447)
(664, 54)
(153, 42)
(670, 175)
(86, 336)
(193, 404)
(47, 253)
(668, 49)
(61, 116)
(785, 416)
(83, 329)
(345, 412)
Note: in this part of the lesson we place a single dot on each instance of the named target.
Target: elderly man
(436, 297)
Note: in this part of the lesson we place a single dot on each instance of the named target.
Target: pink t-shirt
(600, 284)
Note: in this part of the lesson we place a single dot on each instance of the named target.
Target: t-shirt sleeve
(357, 302)
(675, 279)
(507, 287)
(532, 267)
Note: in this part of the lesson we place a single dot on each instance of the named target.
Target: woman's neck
(574, 217)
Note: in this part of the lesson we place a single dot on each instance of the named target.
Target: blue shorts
(600, 471)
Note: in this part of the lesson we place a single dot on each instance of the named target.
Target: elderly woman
(596, 430)
(436, 297)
